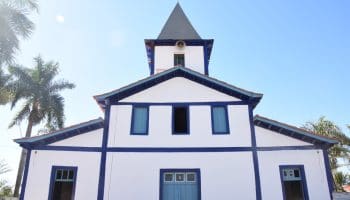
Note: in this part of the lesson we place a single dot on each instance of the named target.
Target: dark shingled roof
(178, 27)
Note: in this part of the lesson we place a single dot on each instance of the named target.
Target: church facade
(178, 134)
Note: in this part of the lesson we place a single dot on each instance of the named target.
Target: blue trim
(255, 154)
(173, 120)
(195, 170)
(175, 149)
(69, 148)
(330, 180)
(287, 148)
(215, 103)
(53, 174)
(172, 42)
(226, 118)
(101, 181)
(25, 175)
(304, 184)
(133, 119)
(206, 59)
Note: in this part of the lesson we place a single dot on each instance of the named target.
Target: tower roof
(178, 27)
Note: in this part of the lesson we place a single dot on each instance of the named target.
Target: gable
(153, 80)
(179, 89)
(68, 135)
(289, 131)
(268, 138)
(88, 139)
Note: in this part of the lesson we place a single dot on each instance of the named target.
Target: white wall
(266, 137)
(89, 139)
(160, 128)
(179, 89)
(164, 57)
(313, 162)
(41, 162)
(224, 176)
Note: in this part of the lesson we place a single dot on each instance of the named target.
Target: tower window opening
(179, 60)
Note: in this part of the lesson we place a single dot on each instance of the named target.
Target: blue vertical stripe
(101, 181)
(25, 175)
(330, 180)
(255, 154)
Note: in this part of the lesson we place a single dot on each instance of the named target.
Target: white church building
(178, 134)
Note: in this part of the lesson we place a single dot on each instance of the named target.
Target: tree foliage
(3, 167)
(40, 92)
(5, 190)
(5, 94)
(339, 154)
(15, 24)
(42, 102)
(330, 129)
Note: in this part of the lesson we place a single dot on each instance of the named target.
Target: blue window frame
(179, 60)
(139, 120)
(181, 120)
(180, 184)
(62, 183)
(219, 119)
(293, 182)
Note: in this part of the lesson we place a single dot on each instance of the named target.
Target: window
(180, 184)
(179, 60)
(139, 121)
(62, 185)
(180, 120)
(293, 182)
(219, 119)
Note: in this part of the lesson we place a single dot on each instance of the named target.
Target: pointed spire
(178, 27)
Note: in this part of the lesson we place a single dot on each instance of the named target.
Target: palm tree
(5, 94)
(339, 151)
(15, 24)
(42, 101)
(330, 129)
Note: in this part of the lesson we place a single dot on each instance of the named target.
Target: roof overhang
(62, 134)
(294, 132)
(119, 94)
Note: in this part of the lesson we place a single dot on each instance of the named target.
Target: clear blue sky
(297, 53)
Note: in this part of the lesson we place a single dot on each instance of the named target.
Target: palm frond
(56, 112)
(21, 115)
(9, 42)
(5, 93)
(27, 4)
(61, 85)
(14, 23)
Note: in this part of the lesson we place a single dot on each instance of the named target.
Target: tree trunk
(22, 161)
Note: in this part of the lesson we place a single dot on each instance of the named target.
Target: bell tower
(178, 45)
